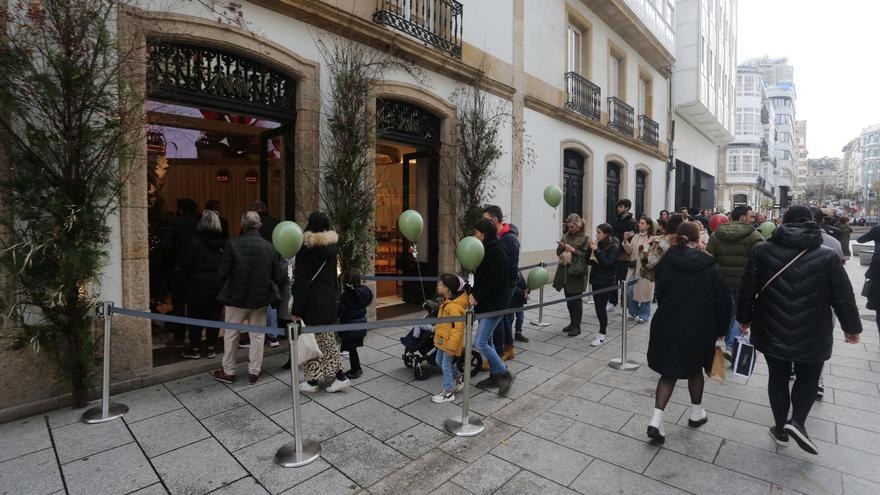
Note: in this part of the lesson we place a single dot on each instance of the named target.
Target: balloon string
(419, 270)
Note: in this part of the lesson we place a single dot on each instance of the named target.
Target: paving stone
(245, 486)
(24, 436)
(696, 476)
(520, 387)
(67, 416)
(417, 440)
(590, 412)
(641, 404)
(526, 482)
(210, 400)
(198, 468)
(523, 410)
(380, 342)
(840, 458)
(393, 367)
(711, 402)
(539, 347)
(259, 460)
(241, 427)
(851, 385)
(168, 431)
(147, 402)
(369, 356)
(857, 401)
(36, 473)
(684, 440)
(857, 486)
(390, 391)
(866, 420)
(433, 414)
(330, 482)
(855, 374)
(548, 426)
(450, 488)
(542, 361)
(625, 381)
(534, 375)
(338, 400)
(79, 439)
(591, 391)
(158, 489)
(548, 459)
(613, 447)
(361, 457)
(318, 424)
(469, 449)
(377, 418)
(572, 355)
(560, 386)
(271, 398)
(421, 476)
(487, 402)
(602, 477)
(818, 428)
(190, 383)
(801, 476)
(856, 438)
(486, 475)
(120, 470)
(737, 430)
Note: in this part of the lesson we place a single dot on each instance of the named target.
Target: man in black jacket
(787, 295)
(623, 227)
(177, 243)
(267, 221)
(508, 237)
(250, 275)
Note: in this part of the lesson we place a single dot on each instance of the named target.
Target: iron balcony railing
(582, 95)
(435, 22)
(649, 131)
(620, 116)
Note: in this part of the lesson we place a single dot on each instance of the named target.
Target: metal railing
(620, 116)
(649, 131)
(437, 23)
(582, 96)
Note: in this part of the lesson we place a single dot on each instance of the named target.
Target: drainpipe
(670, 139)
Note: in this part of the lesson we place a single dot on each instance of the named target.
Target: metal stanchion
(623, 363)
(541, 322)
(300, 452)
(466, 426)
(107, 411)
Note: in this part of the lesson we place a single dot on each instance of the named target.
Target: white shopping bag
(744, 356)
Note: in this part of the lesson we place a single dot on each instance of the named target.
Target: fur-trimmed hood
(320, 239)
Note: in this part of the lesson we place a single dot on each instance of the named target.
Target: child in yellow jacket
(449, 337)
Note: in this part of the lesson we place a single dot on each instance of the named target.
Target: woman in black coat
(693, 312)
(202, 283)
(790, 316)
(873, 273)
(490, 293)
(315, 293)
(602, 253)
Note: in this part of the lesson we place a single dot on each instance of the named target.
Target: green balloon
(537, 278)
(287, 237)
(410, 224)
(470, 252)
(553, 196)
(766, 229)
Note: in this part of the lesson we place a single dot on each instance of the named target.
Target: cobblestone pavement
(570, 425)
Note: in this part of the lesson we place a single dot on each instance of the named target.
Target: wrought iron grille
(200, 74)
(435, 22)
(582, 95)
(620, 116)
(649, 131)
(395, 118)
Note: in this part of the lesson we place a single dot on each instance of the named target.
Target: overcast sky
(832, 46)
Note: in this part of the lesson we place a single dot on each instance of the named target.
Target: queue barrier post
(107, 411)
(466, 426)
(300, 452)
(541, 322)
(623, 364)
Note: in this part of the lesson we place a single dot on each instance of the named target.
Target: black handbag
(866, 289)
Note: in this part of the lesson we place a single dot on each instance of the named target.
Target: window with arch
(641, 188)
(572, 183)
(612, 189)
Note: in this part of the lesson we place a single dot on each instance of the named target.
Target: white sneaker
(344, 354)
(609, 307)
(598, 341)
(338, 385)
(631, 317)
(642, 320)
(459, 383)
(445, 396)
(305, 387)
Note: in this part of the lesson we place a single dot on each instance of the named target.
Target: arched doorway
(641, 192)
(572, 183)
(612, 189)
(407, 177)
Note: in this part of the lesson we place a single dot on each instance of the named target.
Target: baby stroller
(420, 355)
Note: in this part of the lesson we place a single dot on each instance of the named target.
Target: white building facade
(703, 96)
(869, 143)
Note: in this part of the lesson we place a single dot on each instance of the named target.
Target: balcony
(649, 131)
(582, 96)
(437, 23)
(620, 116)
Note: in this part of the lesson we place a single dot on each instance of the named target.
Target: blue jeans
(642, 310)
(504, 331)
(485, 329)
(733, 331)
(450, 371)
(519, 317)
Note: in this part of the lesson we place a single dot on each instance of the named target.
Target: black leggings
(802, 394)
(666, 385)
(599, 301)
(353, 359)
(204, 310)
(575, 308)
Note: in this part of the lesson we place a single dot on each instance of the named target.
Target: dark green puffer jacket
(731, 245)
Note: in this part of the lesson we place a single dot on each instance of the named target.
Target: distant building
(801, 172)
(821, 179)
(851, 167)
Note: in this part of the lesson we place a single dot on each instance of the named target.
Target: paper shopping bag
(716, 372)
(744, 356)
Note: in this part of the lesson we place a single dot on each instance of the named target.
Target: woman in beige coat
(640, 291)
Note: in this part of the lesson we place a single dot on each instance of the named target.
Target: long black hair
(487, 228)
(318, 222)
(607, 230)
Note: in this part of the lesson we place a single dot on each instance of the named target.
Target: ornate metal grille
(620, 116)
(649, 131)
(395, 118)
(582, 95)
(435, 22)
(208, 75)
